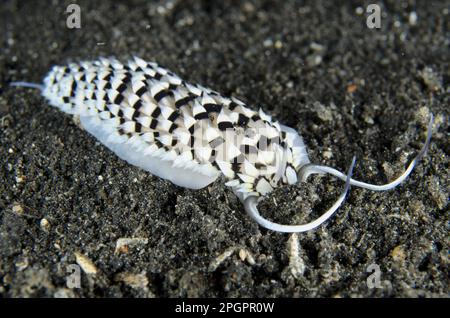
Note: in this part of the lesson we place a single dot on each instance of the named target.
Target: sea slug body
(189, 134)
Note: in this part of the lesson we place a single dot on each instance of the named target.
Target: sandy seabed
(314, 66)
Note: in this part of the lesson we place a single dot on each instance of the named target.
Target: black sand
(316, 67)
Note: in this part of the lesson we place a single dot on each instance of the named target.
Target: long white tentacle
(252, 210)
(313, 169)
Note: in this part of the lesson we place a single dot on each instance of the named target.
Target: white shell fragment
(85, 263)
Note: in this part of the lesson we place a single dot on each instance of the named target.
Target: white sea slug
(190, 134)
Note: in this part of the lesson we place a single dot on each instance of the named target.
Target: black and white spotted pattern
(188, 127)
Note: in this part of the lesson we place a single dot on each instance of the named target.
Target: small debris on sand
(85, 263)
(133, 280)
(123, 244)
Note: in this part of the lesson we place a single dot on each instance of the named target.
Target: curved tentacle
(252, 210)
(312, 169)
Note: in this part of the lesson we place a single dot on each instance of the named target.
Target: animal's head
(260, 157)
(289, 164)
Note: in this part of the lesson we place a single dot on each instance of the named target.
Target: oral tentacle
(250, 205)
(309, 169)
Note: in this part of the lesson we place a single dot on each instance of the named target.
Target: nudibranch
(189, 134)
